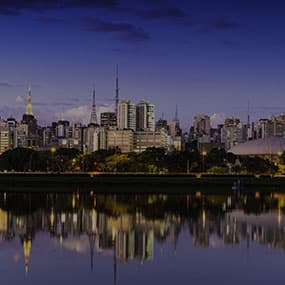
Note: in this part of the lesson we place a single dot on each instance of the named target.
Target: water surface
(89, 238)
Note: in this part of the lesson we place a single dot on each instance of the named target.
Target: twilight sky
(205, 56)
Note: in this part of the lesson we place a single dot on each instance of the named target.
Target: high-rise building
(126, 115)
(62, 129)
(233, 132)
(264, 128)
(108, 120)
(93, 142)
(147, 139)
(202, 126)
(174, 126)
(28, 117)
(32, 138)
(13, 138)
(4, 139)
(161, 124)
(122, 139)
(22, 135)
(145, 116)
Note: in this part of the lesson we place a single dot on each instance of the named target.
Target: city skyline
(169, 52)
(81, 114)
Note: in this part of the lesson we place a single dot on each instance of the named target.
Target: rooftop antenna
(248, 116)
(117, 90)
(93, 117)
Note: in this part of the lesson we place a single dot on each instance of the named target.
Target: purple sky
(205, 56)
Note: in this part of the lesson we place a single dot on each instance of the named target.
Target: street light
(52, 150)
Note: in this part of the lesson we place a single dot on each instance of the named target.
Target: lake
(89, 238)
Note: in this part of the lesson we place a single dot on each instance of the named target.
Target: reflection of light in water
(73, 201)
(113, 234)
(204, 218)
(52, 218)
(94, 220)
(63, 217)
(3, 220)
(229, 201)
(74, 218)
(198, 194)
(27, 252)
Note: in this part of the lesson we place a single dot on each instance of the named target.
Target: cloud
(76, 114)
(14, 7)
(221, 24)
(19, 100)
(82, 113)
(121, 30)
(217, 119)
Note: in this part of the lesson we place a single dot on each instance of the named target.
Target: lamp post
(52, 150)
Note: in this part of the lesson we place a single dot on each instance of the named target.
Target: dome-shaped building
(273, 146)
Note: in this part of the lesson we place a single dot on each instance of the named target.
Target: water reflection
(128, 227)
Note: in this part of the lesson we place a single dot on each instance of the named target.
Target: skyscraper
(202, 126)
(29, 107)
(108, 120)
(174, 126)
(145, 116)
(13, 138)
(28, 119)
(126, 115)
(4, 139)
(232, 132)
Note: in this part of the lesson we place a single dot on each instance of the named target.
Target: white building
(4, 139)
(145, 116)
(126, 115)
(122, 139)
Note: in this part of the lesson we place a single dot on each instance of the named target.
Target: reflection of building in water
(265, 228)
(27, 244)
(129, 228)
(134, 244)
(25, 228)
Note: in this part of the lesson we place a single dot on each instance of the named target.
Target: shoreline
(137, 182)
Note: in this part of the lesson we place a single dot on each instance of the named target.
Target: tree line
(152, 160)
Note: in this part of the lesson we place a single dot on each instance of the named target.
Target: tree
(18, 159)
(258, 165)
